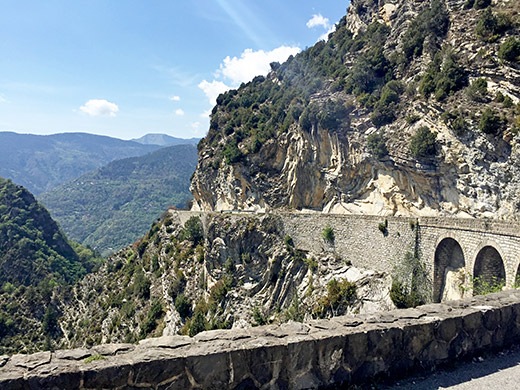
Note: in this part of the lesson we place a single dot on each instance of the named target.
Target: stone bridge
(456, 251)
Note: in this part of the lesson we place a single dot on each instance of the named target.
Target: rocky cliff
(409, 108)
(215, 272)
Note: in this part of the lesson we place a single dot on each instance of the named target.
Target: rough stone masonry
(322, 353)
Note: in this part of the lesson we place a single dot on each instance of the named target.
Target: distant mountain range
(43, 162)
(164, 140)
(116, 204)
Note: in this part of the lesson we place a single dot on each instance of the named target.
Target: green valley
(113, 206)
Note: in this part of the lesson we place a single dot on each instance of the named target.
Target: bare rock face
(333, 169)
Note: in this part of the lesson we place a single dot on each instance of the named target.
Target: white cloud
(254, 63)
(175, 98)
(100, 107)
(237, 70)
(213, 89)
(179, 112)
(2, 99)
(325, 36)
(318, 20)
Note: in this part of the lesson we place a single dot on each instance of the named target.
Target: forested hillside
(35, 259)
(165, 140)
(116, 204)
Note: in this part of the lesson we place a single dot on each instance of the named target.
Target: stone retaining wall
(322, 353)
(359, 240)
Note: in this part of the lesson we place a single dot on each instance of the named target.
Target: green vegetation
(37, 263)
(93, 358)
(376, 144)
(422, 144)
(384, 110)
(443, 77)
(477, 4)
(430, 24)
(491, 26)
(198, 323)
(510, 50)
(410, 282)
(328, 234)
(263, 109)
(456, 121)
(481, 286)
(41, 163)
(258, 317)
(183, 305)
(478, 91)
(192, 231)
(490, 122)
(340, 295)
(115, 205)
(154, 314)
(32, 248)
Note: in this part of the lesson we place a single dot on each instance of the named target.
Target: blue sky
(125, 68)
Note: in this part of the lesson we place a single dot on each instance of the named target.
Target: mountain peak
(164, 140)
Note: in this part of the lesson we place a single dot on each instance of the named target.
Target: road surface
(500, 370)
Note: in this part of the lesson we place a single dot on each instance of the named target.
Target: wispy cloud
(179, 112)
(2, 99)
(243, 18)
(100, 107)
(175, 98)
(177, 76)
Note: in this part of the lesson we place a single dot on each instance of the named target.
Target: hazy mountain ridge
(42, 162)
(164, 140)
(115, 205)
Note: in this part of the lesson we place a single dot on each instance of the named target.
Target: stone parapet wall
(322, 353)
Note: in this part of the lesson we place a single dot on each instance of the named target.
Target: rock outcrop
(306, 136)
(242, 271)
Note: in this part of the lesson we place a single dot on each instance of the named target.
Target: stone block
(101, 374)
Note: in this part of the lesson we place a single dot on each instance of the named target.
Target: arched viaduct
(458, 252)
(487, 251)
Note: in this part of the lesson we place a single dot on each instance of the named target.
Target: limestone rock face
(333, 170)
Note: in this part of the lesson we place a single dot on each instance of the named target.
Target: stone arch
(488, 270)
(448, 270)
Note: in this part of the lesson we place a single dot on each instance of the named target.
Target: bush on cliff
(422, 144)
(192, 231)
